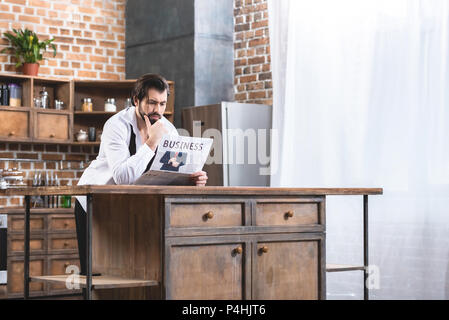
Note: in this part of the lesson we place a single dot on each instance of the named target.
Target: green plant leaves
(26, 47)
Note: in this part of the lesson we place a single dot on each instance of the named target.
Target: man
(128, 146)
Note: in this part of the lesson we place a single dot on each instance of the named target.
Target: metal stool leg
(365, 248)
(89, 248)
(26, 267)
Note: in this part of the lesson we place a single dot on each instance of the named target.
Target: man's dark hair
(146, 82)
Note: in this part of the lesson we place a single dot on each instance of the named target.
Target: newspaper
(177, 157)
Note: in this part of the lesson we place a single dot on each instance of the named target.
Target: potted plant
(26, 47)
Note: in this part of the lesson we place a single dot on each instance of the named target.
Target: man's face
(153, 105)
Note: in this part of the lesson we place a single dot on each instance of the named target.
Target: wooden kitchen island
(153, 242)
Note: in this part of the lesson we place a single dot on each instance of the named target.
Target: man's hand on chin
(200, 178)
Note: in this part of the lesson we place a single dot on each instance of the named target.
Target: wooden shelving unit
(36, 125)
(343, 267)
(98, 282)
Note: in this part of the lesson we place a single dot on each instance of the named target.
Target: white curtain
(361, 99)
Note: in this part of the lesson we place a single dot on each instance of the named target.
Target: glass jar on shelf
(87, 105)
(109, 105)
(15, 95)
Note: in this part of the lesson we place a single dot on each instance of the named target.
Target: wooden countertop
(176, 190)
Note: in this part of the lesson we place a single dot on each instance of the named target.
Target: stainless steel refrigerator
(241, 149)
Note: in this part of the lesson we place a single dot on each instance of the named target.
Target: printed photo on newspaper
(177, 157)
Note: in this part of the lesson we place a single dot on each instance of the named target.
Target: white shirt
(114, 164)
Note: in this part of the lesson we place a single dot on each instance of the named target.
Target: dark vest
(132, 148)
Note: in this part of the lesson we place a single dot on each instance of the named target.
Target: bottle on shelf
(44, 98)
(4, 95)
(15, 95)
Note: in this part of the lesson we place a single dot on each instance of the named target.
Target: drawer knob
(66, 224)
(238, 250)
(66, 265)
(52, 135)
(66, 244)
(289, 214)
(209, 215)
(264, 249)
(12, 133)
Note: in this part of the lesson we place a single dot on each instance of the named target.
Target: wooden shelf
(96, 143)
(343, 267)
(12, 210)
(94, 113)
(98, 282)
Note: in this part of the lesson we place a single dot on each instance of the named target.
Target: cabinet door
(15, 275)
(14, 125)
(52, 126)
(205, 271)
(288, 269)
(16, 224)
(57, 265)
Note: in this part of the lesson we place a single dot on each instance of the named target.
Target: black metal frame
(365, 248)
(88, 290)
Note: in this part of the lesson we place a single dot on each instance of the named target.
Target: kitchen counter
(173, 242)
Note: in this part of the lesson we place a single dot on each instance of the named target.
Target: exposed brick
(38, 165)
(27, 156)
(256, 60)
(64, 72)
(25, 147)
(52, 156)
(109, 76)
(250, 78)
(21, 2)
(51, 148)
(6, 155)
(265, 76)
(86, 74)
(257, 95)
(38, 147)
(75, 157)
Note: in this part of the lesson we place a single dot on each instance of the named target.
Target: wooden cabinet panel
(14, 124)
(57, 265)
(286, 270)
(206, 215)
(208, 271)
(62, 223)
(52, 126)
(15, 274)
(16, 245)
(16, 223)
(62, 244)
(287, 214)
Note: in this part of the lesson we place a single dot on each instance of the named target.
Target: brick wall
(68, 162)
(252, 58)
(90, 35)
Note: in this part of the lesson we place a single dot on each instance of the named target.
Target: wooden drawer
(15, 275)
(61, 222)
(62, 244)
(16, 244)
(287, 213)
(14, 124)
(206, 214)
(52, 126)
(57, 265)
(16, 223)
